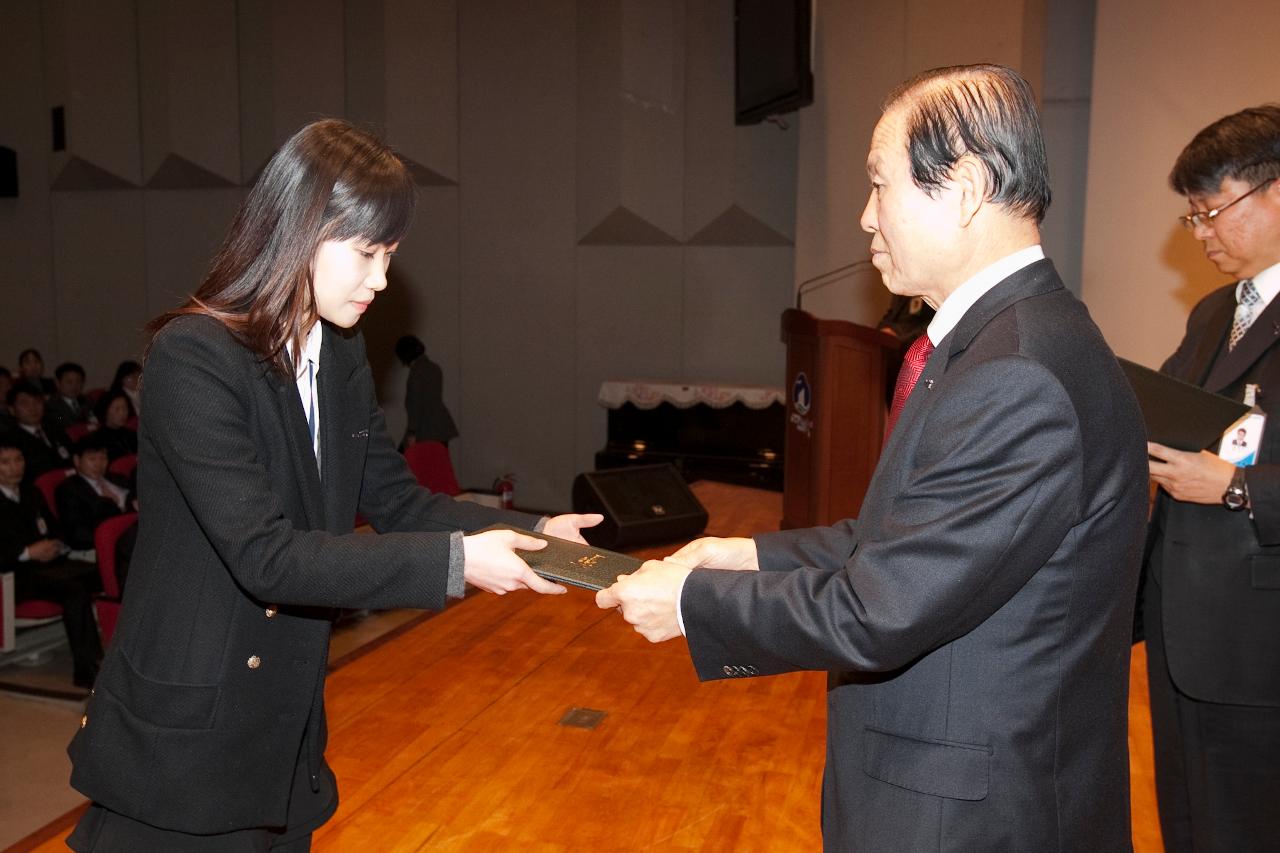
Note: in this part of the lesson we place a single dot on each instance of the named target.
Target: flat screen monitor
(772, 47)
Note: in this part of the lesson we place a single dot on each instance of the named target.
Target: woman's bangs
(380, 211)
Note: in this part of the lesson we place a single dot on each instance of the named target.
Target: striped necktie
(912, 366)
(311, 408)
(1246, 311)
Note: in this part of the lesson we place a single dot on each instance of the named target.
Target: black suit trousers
(72, 585)
(1217, 783)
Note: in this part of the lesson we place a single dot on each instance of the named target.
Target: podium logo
(801, 394)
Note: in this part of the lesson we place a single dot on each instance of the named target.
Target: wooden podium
(837, 373)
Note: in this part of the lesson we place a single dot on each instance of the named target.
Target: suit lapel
(298, 436)
(1032, 280)
(1209, 344)
(339, 402)
(1232, 364)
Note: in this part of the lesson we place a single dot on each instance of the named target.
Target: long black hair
(330, 181)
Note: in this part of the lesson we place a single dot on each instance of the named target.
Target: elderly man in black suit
(975, 620)
(1211, 599)
(31, 549)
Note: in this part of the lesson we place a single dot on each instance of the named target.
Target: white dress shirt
(309, 380)
(1267, 283)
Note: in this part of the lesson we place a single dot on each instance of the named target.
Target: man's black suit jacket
(212, 689)
(976, 617)
(1217, 572)
(20, 524)
(81, 510)
(41, 457)
(58, 411)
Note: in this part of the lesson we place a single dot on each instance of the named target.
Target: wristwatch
(1236, 497)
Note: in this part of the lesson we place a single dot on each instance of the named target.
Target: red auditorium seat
(430, 463)
(48, 483)
(107, 605)
(75, 432)
(125, 465)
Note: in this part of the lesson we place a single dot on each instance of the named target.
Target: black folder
(573, 563)
(1178, 414)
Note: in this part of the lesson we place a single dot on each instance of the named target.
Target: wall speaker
(8, 172)
(642, 505)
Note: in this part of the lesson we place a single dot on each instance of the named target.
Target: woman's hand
(569, 526)
(491, 563)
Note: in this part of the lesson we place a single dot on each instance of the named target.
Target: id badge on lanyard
(1241, 441)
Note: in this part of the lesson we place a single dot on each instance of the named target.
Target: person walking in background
(428, 417)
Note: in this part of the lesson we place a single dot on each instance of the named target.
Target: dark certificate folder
(572, 562)
(1178, 414)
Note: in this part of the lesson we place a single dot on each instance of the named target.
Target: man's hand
(1198, 478)
(568, 526)
(710, 552)
(44, 550)
(492, 564)
(648, 598)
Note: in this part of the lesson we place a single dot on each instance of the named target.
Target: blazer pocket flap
(165, 704)
(958, 771)
(1266, 572)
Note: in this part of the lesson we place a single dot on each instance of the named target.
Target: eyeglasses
(1192, 221)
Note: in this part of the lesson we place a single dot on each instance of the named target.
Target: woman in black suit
(114, 413)
(261, 440)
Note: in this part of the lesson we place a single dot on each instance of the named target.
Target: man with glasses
(1211, 599)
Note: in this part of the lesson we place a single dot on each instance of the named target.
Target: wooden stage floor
(449, 738)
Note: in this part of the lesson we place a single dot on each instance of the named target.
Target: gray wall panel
(630, 308)
(734, 299)
(27, 318)
(516, 107)
(183, 231)
(99, 278)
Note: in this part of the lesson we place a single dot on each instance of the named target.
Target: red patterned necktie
(912, 366)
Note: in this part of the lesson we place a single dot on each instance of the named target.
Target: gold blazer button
(254, 662)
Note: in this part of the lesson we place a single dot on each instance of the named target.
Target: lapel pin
(364, 433)
(928, 384)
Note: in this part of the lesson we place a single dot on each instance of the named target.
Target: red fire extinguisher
(505, 486)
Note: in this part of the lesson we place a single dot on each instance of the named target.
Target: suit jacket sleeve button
(84, 721)
(254, 662)
(728, 670)
(271, 610)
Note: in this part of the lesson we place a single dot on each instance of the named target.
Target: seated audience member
(44, 445)
(91, 495)
(428, 417)
(69, 405)
(31, 369)
(129, 379)
(30, 548)
(6, 417)
(114, 413)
